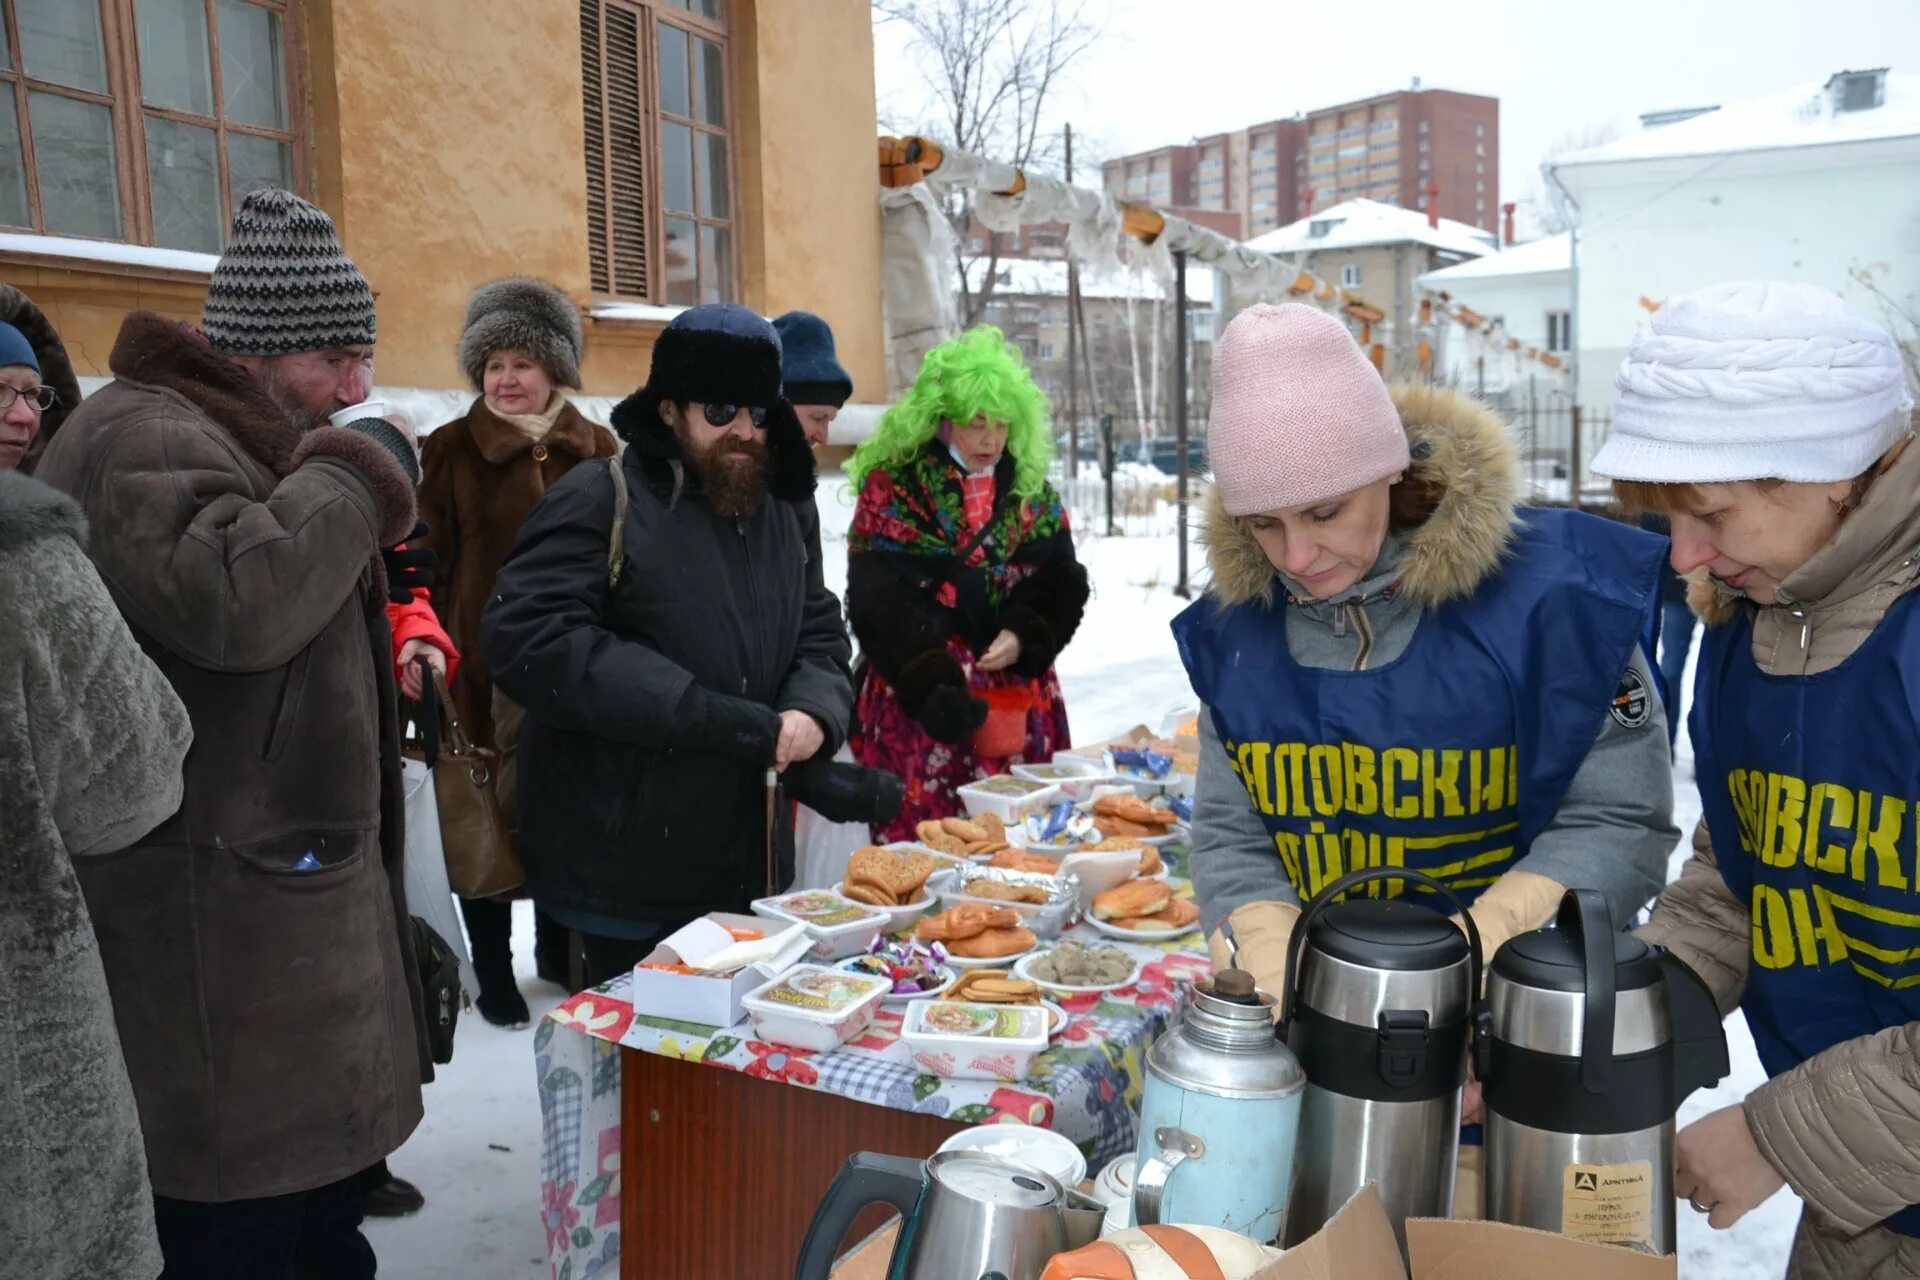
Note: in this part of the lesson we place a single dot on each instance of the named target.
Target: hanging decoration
(1485, 338)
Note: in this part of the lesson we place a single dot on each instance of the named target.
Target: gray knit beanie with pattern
(284, 284)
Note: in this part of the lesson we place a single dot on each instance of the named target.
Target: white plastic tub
(1008, 798)
(814, 1007)
(839, 927)
(1075, 777)
(961, 1041)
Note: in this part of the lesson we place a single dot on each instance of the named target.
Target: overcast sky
(1167, 72)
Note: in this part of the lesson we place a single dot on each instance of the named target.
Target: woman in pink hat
(1399, 665)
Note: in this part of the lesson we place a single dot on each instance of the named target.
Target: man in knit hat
(659, 689)
(810, 373)
(256, 943)
(1774, 427)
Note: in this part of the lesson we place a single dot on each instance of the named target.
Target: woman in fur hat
(961, 576)
(480, 476)
(1775, 428)
(1398, 664)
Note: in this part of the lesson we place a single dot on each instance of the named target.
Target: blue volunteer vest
(1452, 758)
(1811, 786)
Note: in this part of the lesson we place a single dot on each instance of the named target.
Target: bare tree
(991, 68)
(1548, 216)
(1900, 316)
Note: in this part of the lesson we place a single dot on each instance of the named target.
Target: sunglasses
(722, 415)
(41, 398)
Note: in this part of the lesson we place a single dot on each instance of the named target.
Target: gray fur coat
(91, 744)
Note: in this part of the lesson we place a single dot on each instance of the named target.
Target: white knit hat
(1755, 381)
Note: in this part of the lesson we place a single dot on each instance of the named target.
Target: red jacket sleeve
(417, 621)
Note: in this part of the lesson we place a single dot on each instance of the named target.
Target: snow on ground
(477, 1154)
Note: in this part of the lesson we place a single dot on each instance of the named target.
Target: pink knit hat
(1299, 415)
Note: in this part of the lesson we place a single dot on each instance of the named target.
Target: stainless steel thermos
(1597, 1038)
(1382, 1008)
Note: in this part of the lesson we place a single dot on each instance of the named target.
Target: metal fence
(1556, 444)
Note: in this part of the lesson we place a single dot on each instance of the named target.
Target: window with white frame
(1350, 276)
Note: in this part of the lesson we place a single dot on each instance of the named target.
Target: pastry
(962, 829)
(1134, 898)
(967, 920)
(1179, 913)
(1132, 809)
(884, 878)
(1151, 863)
(991, 824)
(937, 838)
(1032, 894)
(1010, 859)
(994, 986)
(994, 942)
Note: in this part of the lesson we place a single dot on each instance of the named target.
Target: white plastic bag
(426, 868)
(821, 848)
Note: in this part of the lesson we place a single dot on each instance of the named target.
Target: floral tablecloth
(1086, 1086)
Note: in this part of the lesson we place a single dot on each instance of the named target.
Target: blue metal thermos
(1221, 1112)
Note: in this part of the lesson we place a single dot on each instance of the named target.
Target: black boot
(489, 935)
(552, 946)
(384, 1196)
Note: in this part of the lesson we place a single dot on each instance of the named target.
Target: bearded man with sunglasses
(665, 670)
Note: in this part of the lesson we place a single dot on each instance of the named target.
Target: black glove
(842, 792)
(950, 714)
(409, 567)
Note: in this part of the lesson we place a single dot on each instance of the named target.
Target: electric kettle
(965, 1215)
(1382, 1007)
(1597, 1038)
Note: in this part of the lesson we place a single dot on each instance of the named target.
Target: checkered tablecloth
(1086, 1086)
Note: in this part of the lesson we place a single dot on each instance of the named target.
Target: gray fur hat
(526, 315)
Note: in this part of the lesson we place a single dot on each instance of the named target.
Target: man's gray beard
(304, 419)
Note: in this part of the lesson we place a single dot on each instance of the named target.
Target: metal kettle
(965, 1215)
(1382, 1006)
(1219, 1115)
(1597, 1038)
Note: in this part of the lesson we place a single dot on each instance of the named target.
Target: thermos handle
(1171, 1148)
(1296, 947)
(866, 1178)
(1699, 1033)
(1584, 914)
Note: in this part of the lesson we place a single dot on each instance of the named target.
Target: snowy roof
(1047, 278)
(1355, 224)
(1802, 116)
(113, 251)
(1536, 257)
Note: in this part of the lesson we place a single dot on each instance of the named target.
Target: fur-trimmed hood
(1463, 475)
(56, 368)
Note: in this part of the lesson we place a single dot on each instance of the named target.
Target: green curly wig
(977, 373)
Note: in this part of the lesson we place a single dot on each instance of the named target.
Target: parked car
(1164, 453)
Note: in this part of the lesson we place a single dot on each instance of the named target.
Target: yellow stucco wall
(448, 146)
(808, 171)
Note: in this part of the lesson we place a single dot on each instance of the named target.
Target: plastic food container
(1076, 777)
(1008, 798)
(963, 1041)
(813, 1007)
(839, 927)
(1047, 919)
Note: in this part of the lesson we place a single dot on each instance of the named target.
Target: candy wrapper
(1140, 764)
(1182, 807)
(913, 967)
(1061, 827)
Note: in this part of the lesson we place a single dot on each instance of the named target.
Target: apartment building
(1392, 148)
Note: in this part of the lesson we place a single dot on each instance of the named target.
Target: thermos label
(1609, 1204)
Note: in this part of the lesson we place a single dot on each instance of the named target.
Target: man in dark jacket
(256, 944)
(657, 705)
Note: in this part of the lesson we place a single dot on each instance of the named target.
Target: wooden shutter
(616, 87)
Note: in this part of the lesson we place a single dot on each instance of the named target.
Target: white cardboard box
(712, 999)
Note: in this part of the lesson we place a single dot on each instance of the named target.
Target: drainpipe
(1572, 209)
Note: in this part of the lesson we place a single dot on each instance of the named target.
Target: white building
(1526, 290)
(1820, 183)
(1374, 252)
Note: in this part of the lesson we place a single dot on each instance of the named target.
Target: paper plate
(950, 977)
(964, 963)
(1141, 935)
(1024, 970)
(1058, 1026)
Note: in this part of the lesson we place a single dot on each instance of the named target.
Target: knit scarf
(921, 509)
(534, 426)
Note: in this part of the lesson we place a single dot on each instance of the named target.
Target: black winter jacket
(652, 713)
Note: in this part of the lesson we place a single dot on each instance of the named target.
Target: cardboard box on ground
(1358, 1244)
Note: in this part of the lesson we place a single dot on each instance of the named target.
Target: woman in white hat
(1772, 425)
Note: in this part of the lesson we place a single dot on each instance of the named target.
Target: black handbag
(440, 983)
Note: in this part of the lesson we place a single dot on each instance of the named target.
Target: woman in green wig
(962, 585)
